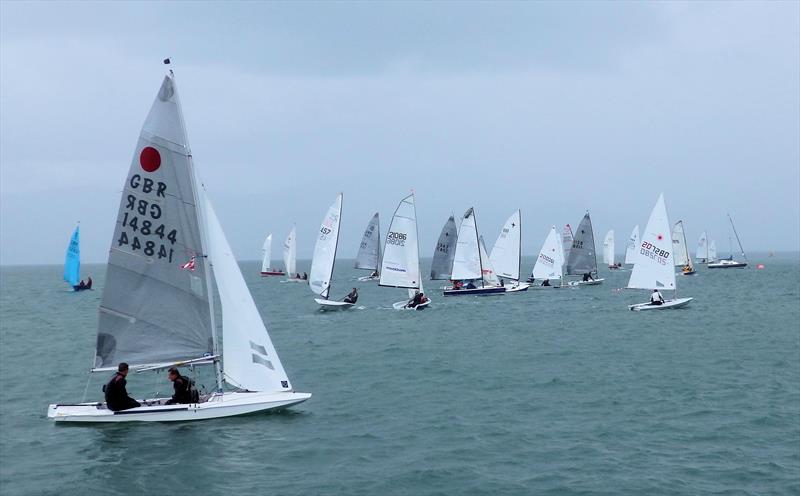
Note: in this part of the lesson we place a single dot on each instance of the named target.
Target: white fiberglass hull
(586, 283)
(675, 303)
(218, 405)
(520, 286)
(368, 278)
(332, 306)
(727, 264)
(403, 305)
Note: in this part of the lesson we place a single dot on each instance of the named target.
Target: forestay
(653, 267)
(290, 253)
(608, 249)
(632, 245)
(550, 262)
(250, 360)
(155, 304)
(368, 256)
(466, 260)
(679, 249)
(400, 265)
(505, 256)
(582, 257)
(321, 273)
(266, 248)
(442, 264)
(487, 270)
(72, 263)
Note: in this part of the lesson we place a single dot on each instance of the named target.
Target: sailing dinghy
(730, 263)
(681, 250)
(290, 257)
(582, 259)
(369, 251)
(701, 256)
(157, 309)
(471, 264)
(442, 263)
(550, 262)
(319, 280)
(654, 268)
(266, 248)
(566, 240)
(400, 264)
(72, 263)
(506, 256)
(608, 251)
(632, 246)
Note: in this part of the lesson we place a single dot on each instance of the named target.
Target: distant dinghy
(442, 263)
(400, 264)
(730, 263)
(506, 256)
(319, 280)
(654, 267)
(549, 265)
(290, 257)
(470, 263)
(266, 270)
(681, 251)
(369, 251)
(72, 263)
(582, 260)
(631, 247)
(157, 308)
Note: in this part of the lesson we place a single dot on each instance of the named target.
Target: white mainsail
(608, 249)
(712, 251)
(505, 256)
(400, 265)
(369, 251)
(679, 248)
(632, 246)
(467, 259)
(319, 279)
(290, 253)
(249, 358)
(653, 267)
(266, 248)
(487, 270)
(550, 262)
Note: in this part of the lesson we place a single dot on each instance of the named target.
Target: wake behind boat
(157, 308)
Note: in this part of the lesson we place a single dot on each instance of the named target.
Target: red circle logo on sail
(150, 159)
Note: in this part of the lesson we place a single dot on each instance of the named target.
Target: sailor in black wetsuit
(352, 297)
(181, 386)
(116, 395)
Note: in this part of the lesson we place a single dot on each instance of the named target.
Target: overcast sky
(554, 108)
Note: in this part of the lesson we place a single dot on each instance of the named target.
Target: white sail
(319, 279)
(566, 241)
(702, 248)
(550, 262)
(400, 265)
(608, 249)
(467, 259)
(505, 256)
(368, 256)
(290, 253)
(679, 247)
(250, 360)
(266, 248)
(632, 246)
(653, 267)
(712, 251)
(489, 275)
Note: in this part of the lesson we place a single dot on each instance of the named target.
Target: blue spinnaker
(72, 265)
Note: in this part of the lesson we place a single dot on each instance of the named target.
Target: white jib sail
(249, 358)
(489, 275)
(679, 245)
(632, 246)
(505, 256)
(290, 253)
(467, 260)
(608, 248)
(550, 262)
(400, 266)
(712, 250)
(319, 280)
(266, 248)
(653, 267)
(368, 256)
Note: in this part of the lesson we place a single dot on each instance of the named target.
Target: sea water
(561, 391)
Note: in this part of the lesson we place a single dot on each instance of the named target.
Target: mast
(519, 251)
(335, 248)
(737, 237)
(480, 258)
(594, 247)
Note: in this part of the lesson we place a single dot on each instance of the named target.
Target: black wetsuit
(117, 396)
(351, 298)
(182, 395)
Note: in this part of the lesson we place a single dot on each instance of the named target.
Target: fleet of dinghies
(170, 262)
